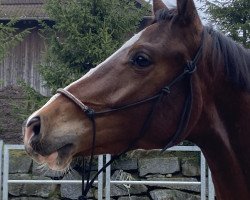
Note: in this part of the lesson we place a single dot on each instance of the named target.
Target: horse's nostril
(33, 121)
(35, 125)
(36, 129)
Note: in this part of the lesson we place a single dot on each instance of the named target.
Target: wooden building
(22, 61)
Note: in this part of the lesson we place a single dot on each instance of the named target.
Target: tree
(10, 36)
(232, 17)
(85, 33)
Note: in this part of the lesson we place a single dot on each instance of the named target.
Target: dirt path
(11, 100)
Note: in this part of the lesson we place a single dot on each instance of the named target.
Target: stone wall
(137, 165)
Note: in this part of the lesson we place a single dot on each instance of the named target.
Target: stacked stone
(147, 167)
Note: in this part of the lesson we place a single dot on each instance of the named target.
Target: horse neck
(223, 134)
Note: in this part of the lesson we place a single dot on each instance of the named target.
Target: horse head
(140, 69)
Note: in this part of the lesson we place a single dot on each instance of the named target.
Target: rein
(189, 69)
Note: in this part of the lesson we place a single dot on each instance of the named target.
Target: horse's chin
(59, 160)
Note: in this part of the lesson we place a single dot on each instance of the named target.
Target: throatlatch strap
(184, 119)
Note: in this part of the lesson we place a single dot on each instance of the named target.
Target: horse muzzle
(56, 153)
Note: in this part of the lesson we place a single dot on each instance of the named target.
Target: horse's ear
(187, 12)
(158, 5)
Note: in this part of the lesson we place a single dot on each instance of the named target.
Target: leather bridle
(189, 69)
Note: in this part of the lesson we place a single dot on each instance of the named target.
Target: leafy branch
(10, 36)
(85, 33)
(232, 17)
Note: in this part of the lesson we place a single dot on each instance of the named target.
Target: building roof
(22, 9)
(27, 9)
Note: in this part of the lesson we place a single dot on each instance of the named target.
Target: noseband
(189, 69)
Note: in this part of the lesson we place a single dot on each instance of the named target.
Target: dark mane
(235, 58)
(224, 50)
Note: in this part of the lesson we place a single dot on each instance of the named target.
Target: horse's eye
(141, 60)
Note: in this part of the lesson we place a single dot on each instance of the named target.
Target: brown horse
(149, 94)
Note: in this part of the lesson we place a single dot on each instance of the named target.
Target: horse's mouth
(59, 160)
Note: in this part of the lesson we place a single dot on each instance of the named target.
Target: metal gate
(4, 180)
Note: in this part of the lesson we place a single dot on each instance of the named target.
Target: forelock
(165, 15)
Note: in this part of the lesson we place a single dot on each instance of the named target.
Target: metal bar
(108, 173)
(47, 181)
(156, 182)
(210, 186)
(100, 177)
(203, 177)
(5, 172)
(1, 156)
(111, 182)
(14, 146)
(175, 148)
(6, 167)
